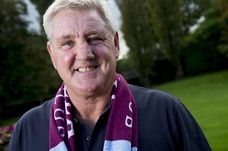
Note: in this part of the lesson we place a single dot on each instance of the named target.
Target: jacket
(164, 124)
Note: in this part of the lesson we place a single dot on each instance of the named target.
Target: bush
(201, 53)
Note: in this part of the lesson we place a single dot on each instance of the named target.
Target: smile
(86, 69)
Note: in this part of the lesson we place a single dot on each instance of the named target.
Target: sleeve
(15, 141)
(191, 137)
(32, 130)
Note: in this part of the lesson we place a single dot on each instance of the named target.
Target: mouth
(86, 69)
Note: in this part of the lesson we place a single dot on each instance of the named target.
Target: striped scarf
(121, 132)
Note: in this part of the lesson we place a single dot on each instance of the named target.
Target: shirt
(164, 124)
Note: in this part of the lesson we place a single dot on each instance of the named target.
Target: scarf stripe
(60, 147)
(121, 131)
(118, 145)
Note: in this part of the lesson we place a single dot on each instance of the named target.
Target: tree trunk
(179, 69)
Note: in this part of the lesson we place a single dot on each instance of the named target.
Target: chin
(87, 88)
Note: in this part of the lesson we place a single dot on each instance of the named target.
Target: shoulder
(32, 129)
(145, 97)
(160, 105)
(164, 121)
(41, 111)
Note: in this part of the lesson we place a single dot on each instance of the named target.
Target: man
(95, 109)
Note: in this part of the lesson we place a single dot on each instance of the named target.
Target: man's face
(83, 51)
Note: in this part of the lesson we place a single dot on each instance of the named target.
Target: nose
(84, 52)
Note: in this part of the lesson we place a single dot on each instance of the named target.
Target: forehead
(76, 21)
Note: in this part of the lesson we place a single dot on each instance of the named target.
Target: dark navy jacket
(164, 124)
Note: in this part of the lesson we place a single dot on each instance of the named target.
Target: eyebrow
(63, 37)
(95, 31)
(97, 26)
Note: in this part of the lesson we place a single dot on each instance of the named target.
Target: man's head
(82, 45)
(59, 5)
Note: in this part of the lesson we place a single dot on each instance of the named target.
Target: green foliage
(165, 29)
(204, 56)
(38, 78)
(167, 24)
(123, 65)
(201, 53)
(155, 30)
(164, 71)
(26, 70)
(206, 97)
(12, 29)
(223, 9)
(166, 21)
(139, 37)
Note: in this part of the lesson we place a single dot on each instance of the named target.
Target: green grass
(206, 96)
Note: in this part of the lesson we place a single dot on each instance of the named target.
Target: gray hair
(59, 5)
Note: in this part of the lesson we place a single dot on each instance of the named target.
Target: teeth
(86, 69)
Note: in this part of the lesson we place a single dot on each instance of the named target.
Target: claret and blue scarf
(121, 132)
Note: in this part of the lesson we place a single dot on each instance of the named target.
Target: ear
(116, 43)
(51, 53)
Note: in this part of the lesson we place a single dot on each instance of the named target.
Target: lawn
(206, 96)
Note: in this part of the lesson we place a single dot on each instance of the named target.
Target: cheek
(66, 59)
(105, 53)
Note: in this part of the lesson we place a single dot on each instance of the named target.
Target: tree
(172, 20)
(139, 37)
(12, 30)
(201, 53)
(26, 70)
(167, 24)
(223, 9)
(164, 24)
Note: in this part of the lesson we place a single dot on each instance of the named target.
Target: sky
(33, 17)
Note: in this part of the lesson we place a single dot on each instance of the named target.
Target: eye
(94, 40)
(67, 44)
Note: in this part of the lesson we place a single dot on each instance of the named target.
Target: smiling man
(84, 51)
(95, 109)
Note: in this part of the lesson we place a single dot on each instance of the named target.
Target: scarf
(121, 132)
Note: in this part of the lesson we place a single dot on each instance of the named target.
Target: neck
(89, 112)
(89, 109)
(89, 106)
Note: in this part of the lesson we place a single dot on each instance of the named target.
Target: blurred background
(179, 46)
